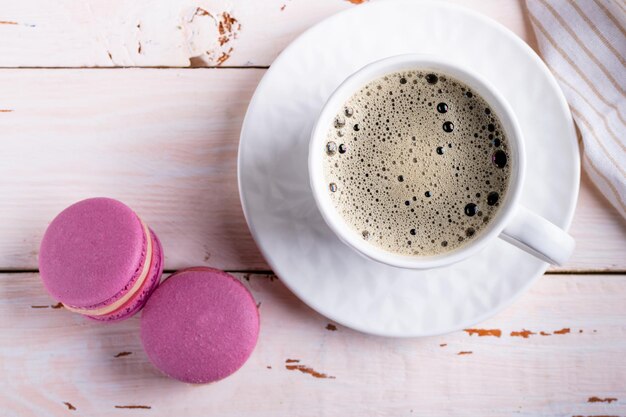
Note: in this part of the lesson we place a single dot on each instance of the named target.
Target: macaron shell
(200, 325)
(91, 252)
(151, 283)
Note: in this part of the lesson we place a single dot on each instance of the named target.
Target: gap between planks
(270, 272)
(138, 67)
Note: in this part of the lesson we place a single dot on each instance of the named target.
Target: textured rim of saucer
(504, 31)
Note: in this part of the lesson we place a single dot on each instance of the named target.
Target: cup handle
(537, 236)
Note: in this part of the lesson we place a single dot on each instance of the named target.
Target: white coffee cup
(513, 222)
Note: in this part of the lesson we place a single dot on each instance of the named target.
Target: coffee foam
(416, 163)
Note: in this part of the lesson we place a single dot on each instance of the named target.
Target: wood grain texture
(576, 338)
(91, 33)
(165, 142)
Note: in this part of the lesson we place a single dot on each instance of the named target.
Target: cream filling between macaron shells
(130, 293)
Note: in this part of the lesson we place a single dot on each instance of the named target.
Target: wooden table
(81, 115)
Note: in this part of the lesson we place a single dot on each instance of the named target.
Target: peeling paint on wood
(465, 352)
(206, 38)
(527, 333)
(484, 332)
(54, 306)
(222, 58)
(69, 406)
(201, 12)
(307, 370)
(601, 400)
(524, 333)
(228, 28)
(144, 407)
(292, 360)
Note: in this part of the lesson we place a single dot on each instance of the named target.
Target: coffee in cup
(417, 163)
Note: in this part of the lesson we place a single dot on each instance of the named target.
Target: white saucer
(279, 206)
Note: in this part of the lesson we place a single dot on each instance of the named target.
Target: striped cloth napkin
(583, 43)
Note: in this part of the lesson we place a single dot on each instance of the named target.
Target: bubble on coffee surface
(426, 167)
(448, 127)
(492, 198)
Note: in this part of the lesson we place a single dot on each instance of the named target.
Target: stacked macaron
(99, 259)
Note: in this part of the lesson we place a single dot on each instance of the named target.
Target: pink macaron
(99, 259)
(200, 325)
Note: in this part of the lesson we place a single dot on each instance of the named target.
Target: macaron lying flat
(99, 259)
(200, 325)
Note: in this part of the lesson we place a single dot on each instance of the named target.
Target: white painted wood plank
(165, 142)
(166, 146)
(49, 356)
(53, 33)
(599, 231)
